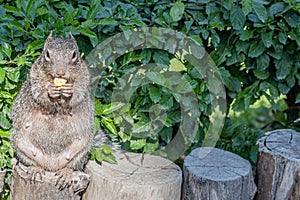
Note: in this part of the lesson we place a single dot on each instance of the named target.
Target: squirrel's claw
(64, 178)
(67, 90)
(53, 91)
(36, 173)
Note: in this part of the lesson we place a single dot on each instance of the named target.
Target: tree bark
(22, 188)
(136, 176)
(278, 166)
(2, 178)
(215, 174)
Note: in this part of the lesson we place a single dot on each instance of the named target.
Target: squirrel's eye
(74, 56)
(47, 56)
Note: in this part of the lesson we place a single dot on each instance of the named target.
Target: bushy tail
(101, 138)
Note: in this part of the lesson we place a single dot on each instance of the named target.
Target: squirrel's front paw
(35, 173)
(53, 91)
(67, 90)
(64, 178)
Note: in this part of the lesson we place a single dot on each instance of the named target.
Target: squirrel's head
(61, 55)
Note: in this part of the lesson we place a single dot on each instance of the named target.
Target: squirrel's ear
(73, 40)
(48, 40)
(72, 37)
(49, 37)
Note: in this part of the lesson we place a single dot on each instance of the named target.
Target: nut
(59, 82)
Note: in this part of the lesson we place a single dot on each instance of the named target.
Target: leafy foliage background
(254, 43)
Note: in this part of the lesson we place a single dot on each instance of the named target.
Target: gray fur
(51, 124)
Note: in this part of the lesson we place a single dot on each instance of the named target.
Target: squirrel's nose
(60, 75)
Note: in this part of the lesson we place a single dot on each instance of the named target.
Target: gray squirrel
(53, 114)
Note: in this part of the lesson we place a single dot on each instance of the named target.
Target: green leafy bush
(255, 45)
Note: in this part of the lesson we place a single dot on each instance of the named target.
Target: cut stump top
(283, 142)
(216, 164)
(138, 169)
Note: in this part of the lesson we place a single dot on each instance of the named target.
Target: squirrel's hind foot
(64, 178)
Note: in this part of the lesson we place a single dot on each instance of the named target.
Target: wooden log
(22, 188)
(136, 176)
(2, 178)
(278, 166)
(215, 174)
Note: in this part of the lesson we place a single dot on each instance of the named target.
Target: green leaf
(141, 126)
(97, 155)
(137, 144)
(183, 86)
(21, 61)
(4, 122)
(5, 134)
(156, 77)
(267, 39)
(41, 11)
(114, 106)
(256, 49)
(166, 134)
(30, 11)
(196, 50)
(263, 62)
(283, 88)
(290, 80)
(235, 58)
(13, 10)
(260, 11)
(139, 23)
(110, 159)
(167, 102)
(14, 75)
(267, 87)
(177, 11)
(90, 34)
(106, 149)
(245, 98)
(276, 8)
(261, 74)
(282, 37)
(161, 57)
(17, 25)
(246, 35)
(176, 65)
(197, 39)
(109, 125)
(150, 147)
(242, 47)
(6, 95)
(283, 66)
(35, 45)
(247, 6)
(6, 48)
(292, 19)
(237, 18)
(108, 21)
(277, 52)
(94, 10)
(2, 75)
(155, 93)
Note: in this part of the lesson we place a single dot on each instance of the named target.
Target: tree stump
(215, 174)
(2, 178)
(136, 176)
(24, 189)
(278, 166)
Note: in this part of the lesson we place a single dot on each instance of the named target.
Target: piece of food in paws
(59, 82)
